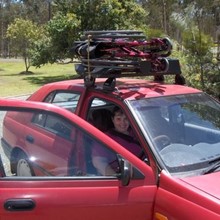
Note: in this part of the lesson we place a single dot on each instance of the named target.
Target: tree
(37, 11)
(22, 35)
(9, 10)
(74, 17)
(56, 44)
(203, 70)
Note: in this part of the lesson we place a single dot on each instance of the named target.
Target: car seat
(101, 119)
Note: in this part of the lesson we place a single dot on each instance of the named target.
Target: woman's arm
(102, 166)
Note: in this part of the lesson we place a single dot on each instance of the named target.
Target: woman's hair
(116, 109)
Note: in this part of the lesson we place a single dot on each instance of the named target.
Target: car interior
(100, 115)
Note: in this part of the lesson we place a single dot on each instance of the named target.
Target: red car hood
(208, 183)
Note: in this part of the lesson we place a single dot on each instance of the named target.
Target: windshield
(184, 130)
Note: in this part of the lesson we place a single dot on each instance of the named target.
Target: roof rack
(113, 54)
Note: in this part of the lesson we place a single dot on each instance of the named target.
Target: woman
(104, 160)
(122, 132)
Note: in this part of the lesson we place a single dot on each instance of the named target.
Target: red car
(50, 172)
(177, 127)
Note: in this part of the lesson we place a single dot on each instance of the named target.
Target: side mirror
(126, 171)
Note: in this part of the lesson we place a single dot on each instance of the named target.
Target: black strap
(123, 136)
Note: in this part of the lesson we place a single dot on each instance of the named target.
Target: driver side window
(113, 121)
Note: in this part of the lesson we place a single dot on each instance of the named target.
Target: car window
(42, 144)
(55, 124)
(184, 129)
(111, 119)
(64, 99)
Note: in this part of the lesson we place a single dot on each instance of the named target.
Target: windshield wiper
(214, 165)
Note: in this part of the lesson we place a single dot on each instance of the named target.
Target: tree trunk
(27, 64)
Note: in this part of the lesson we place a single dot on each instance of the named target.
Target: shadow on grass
(47, 79)
(26, 73)
(23, 73)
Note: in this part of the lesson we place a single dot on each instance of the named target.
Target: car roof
(141, 88)
(126, 88)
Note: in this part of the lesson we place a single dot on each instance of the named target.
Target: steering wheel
(162, 141)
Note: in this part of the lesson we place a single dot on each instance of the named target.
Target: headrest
(101, 118)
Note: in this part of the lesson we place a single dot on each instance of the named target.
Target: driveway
(20, 97)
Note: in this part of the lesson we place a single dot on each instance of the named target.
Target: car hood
(208, 183)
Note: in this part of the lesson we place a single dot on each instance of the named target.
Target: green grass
(14, 82)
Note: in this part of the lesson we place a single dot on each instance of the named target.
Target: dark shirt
(127, 141)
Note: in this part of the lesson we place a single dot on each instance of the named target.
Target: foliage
(67, 25)
(22, 34)
(196, 42)
(202, 69)
(109, 14)
(203, 73)
(151, 33)
(34, 10)
(55, 46)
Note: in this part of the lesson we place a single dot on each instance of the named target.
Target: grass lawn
(14, 83)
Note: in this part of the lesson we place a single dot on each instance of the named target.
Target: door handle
(30, 138)
(19, 204)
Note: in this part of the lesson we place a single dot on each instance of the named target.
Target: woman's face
(120, 122)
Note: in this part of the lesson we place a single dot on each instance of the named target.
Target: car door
(79, 192)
